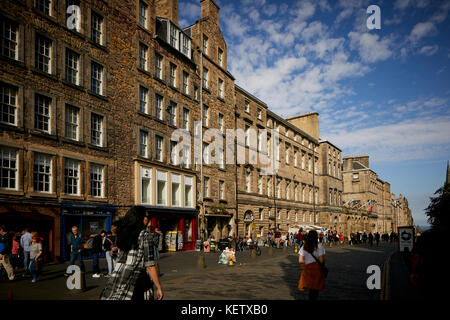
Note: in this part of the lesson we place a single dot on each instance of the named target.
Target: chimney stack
(167, 9)
(210, 9)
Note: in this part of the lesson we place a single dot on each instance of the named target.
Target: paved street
(266, 277)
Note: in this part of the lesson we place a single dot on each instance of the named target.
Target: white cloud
(422, 29)
(370, 48)
(429, 50)
(402, 4)
(270, 9)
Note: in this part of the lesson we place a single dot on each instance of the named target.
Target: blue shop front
(90, 220)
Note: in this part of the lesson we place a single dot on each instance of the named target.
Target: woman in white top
(312, 275)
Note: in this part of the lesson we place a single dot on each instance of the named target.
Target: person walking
(312, 259)
(277, 238)
(15, 255)
(341, 238)
(371, 239)
(25, 243)
(107, 246)
(136, 261)
(377, 238)
(76, 246)
(35, 255)
(96, 252)
(5, 252)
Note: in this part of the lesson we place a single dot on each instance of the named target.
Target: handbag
(324, 269)
(143, 288)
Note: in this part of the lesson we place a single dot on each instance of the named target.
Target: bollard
(201, 263)
(270, 252)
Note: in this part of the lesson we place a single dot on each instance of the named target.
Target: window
(220, 57)
(269, 186)
(206, 153)
(220, 121)
(247, 135)
(221, 190)
(205, 116)
(303, 160)
(43, 53)
(72, 65)
(296, 192)
(96, 130)
(295, 158)
(96, 28)
(260, 185)
(172, 110)
(186, 119)
(247, 106)
(221, 159)
(174, 36)
(8, 166)
(288, 191)
(72, 177)
(176, 189)
(185, 82)
(205, 78)
(173, 154)
(247, 181)
(97, 188)
(42, 113)
(304, 193)
(205, 44)
(220, 88)
(146, 185)
(288, 150)
(355, 176)
(259, 114)
(9, 38)
(72, 12)
(44, 6)
(158, 66)
(143, 99)
(159, 148)
(143, 49)
(143, 143)
(205, 187)
(196, 93)
(186, 46)
(142, 14)
(188, 192)
(42, 173)
(96, 78)
(310, 195)
(161, 188)
(261, 214)
(186, 156)
(71, 123)
(173, 75)
(309, 164)
(158, 107)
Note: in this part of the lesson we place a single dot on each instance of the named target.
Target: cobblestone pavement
(265, 277)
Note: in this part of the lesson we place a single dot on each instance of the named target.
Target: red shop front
(177, 227)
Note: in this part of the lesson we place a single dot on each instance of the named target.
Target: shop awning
(171, 211)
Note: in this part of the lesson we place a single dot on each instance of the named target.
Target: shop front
(177, 227)
(89, 219)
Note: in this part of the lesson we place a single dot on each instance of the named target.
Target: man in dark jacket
(96, 252)
(5, 252)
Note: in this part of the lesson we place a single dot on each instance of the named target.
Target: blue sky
(383, 92)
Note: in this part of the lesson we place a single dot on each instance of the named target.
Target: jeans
(111, 262)
(95, 264)
(33, 270)
(74, 256)
(26, 259)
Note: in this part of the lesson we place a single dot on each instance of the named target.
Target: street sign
(405, 238)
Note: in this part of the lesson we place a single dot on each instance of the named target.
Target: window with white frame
(220, 121)
(185, 82)
(247, 106)
(295, 158)
(221, 159)
(9, 168)
(173, 75)
(42, 112)
(72, 177)
(96, 78)
(303, 160)
(42, 173)
(186, 156)
(142, 14)
(158, 66)
(186, 45)
(174, 36)
(248, 186)
(188, 192)
(220, 88)
(309, 164)
(143, 99)
(44, 6)
(9, 39)
(205, 44)
(72, 116)
(288, 151)
(159, 148)
(172, 110)
(205, 187)
(158, 106)
(43, 53)
(206, 159)
(96, 129)
(196, 93)
(221, 190)
(259, 114)
(96, 28)
(143, 56)
(161, 188)
(186, 119)
(303, 193)
(173, 154)
(72, 67)
(247, 135)
(205, 78)
(176, 189)
(97, 181)
(146, 185)
(205, 116)
(143, 143)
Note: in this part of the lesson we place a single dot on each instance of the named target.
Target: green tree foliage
(438, 211)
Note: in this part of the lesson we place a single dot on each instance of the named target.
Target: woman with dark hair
(135, 261)
(312, 259)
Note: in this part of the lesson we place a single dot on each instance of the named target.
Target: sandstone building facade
(93, 113)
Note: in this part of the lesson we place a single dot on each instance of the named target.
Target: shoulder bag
(324, 269)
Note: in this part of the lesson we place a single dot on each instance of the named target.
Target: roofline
(326, 141)
(302, 115)
(251, 96)
(357, 156)
(284, 121)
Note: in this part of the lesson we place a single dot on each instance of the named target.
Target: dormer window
(174, 36)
